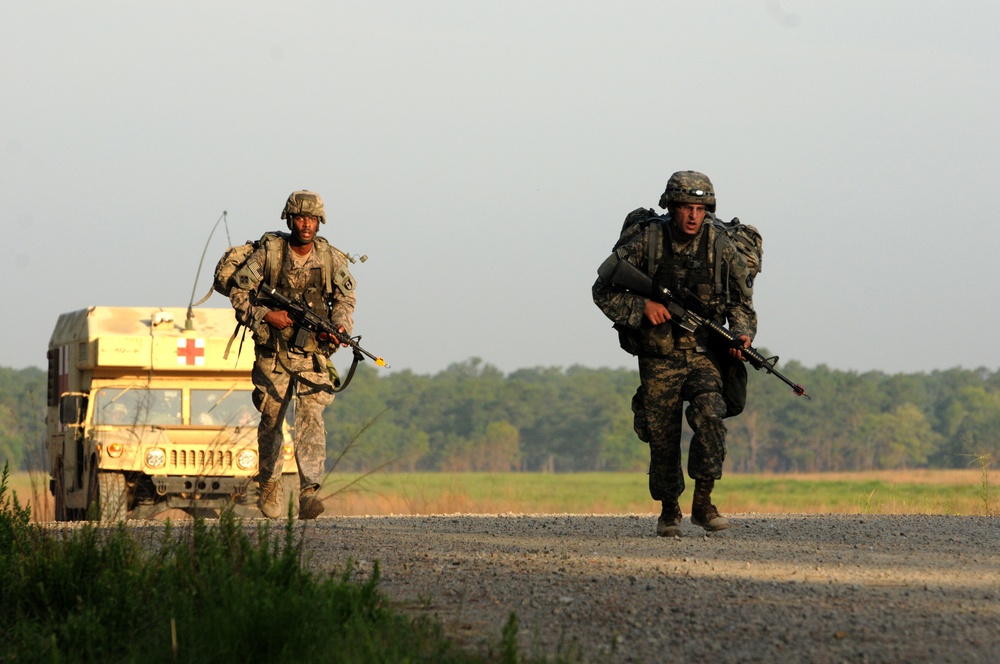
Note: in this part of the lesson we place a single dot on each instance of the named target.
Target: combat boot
(269, 500)
(703, 512)
(669, 523)
(310, 504)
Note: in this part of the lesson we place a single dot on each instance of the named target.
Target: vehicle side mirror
(71, 408)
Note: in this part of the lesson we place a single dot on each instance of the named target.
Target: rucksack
(232, 260)
(749, 259)
(236, 256)
(746, 240)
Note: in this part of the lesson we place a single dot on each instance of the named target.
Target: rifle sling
(350, 372)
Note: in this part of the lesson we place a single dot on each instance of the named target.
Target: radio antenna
(189, 321)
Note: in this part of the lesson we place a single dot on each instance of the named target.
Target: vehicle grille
(211, 462)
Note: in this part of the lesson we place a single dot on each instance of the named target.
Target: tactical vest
(687, 273)
(312, 293)
(275, 244)
(320, 285)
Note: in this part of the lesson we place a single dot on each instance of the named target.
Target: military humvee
(144, 415)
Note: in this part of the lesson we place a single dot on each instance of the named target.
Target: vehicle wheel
(202, 512)
(107, 496)
(59, 491)
(290, 491)
(114, 496)
(93, 509)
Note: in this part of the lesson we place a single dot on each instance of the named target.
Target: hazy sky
(483, 155)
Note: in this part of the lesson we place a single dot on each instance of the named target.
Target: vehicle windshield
(231, 408)
(137, 406)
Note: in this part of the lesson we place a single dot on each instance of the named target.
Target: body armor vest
(687, 273)
(313, 294)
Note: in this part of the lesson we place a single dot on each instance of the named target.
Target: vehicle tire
(108, 496)
(59, 493)
(202, 512)
(290, 491)
(92, 512)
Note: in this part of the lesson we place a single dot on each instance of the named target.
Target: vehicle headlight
(289, 451)
(155, 458)
(247, 459)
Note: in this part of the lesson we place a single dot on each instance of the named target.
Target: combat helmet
(689, 187)
(304, 202)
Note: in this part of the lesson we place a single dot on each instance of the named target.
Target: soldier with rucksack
(688, 251)
(301, 266)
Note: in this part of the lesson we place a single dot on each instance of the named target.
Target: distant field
(953, 492)
(902, 492)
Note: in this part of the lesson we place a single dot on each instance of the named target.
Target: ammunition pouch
(648, 341)
(640, 422)
(734, 380)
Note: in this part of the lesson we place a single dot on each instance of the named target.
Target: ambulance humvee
(144, 415)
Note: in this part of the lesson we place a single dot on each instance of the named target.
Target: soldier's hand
(323, 336)
(343, 331)
(735, 352)
(279, 320)
(655, 312)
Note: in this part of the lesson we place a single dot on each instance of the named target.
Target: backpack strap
(274, 245)
(229, 345)
(721, 281)
(654, 237)
(333, 277)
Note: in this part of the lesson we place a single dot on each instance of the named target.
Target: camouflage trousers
(666, 383)
(276, 376)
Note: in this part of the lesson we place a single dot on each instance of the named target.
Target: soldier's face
(304, 228)
(688, 218)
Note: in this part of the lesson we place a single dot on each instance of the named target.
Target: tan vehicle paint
(145, 414)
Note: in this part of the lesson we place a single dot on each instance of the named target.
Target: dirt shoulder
(818, 588)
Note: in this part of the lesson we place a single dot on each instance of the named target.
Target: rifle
(621, 273)
(309, 321)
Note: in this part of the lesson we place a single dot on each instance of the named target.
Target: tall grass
(197, 594)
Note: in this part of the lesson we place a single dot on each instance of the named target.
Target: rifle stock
(625, 275)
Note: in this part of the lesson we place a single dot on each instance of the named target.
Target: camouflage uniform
(674, 365)
(278, 365)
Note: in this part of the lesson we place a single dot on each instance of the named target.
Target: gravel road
(800, 588)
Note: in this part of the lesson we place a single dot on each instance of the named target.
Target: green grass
(950, 492)
(963, 492)
(196, 594)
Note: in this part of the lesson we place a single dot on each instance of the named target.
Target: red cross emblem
(191, 352)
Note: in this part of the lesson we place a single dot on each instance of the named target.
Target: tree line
(473, 417)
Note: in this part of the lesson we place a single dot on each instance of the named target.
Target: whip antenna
(189, 322)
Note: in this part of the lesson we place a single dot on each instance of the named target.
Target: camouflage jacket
(625, 309)
(297, 279)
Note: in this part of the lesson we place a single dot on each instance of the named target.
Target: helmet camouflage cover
(304, 202)
(689, 187)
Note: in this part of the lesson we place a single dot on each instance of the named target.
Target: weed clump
(200, 594)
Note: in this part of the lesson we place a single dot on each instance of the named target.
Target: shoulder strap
(654, 237)
(274, 244)
(326, 257)
(337, 278)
